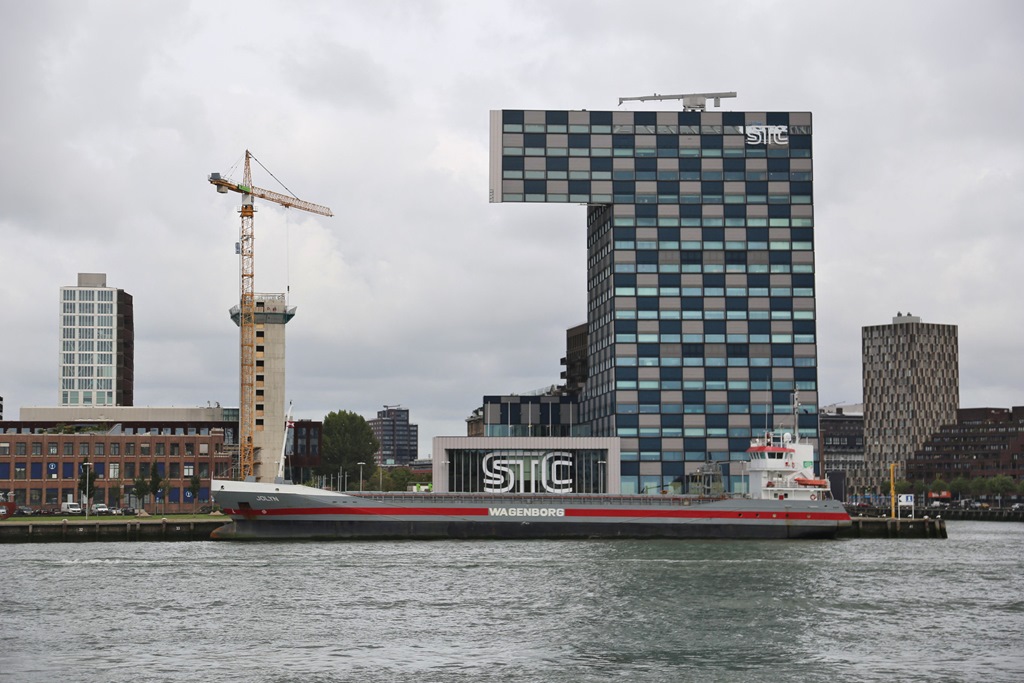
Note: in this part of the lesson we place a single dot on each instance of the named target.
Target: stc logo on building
(767, 135)
(523, 474)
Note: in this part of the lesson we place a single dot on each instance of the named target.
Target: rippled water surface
(852, 610)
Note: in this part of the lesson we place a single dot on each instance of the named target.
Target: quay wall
(71, 531)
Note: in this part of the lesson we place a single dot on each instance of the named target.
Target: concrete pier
(70, 531)
(887, 527)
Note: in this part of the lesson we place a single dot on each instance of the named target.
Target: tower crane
(247, 302)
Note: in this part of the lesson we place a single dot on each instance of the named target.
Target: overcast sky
(418, 291)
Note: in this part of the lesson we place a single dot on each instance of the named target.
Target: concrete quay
(79, 530)
(887, 527)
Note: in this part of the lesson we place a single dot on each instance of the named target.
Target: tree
(156, 483)
(114, 493)
(1002, 485)
(903, 486)
(960, 486)
(939, 485)
(194, 484)
(979, 486)
(87, 481)
(140, 488)
(348, 440)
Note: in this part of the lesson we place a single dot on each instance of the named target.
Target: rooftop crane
(247, 303)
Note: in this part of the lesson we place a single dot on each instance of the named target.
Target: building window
(37, 448)
(115, 470)
(19, 470)
(19, 449)
(83, 449)
(115, 449)
(51, 448)
(189, 470)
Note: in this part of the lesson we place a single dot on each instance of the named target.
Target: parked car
(1017, 507)
(127, 511)
(25, 511)
(70, 509)
(99, 509)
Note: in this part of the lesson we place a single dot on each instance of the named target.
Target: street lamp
(360, 463)
(600, 476)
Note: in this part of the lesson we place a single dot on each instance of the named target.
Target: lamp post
(600, 476)
(85, 469)
(444, 467)
(381, 470)
(360, 463)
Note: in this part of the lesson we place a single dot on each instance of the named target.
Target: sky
(421, 293)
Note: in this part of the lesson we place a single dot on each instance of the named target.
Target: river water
(850, 610)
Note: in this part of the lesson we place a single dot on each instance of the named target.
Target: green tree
(156, 482)
(979, 486)
(194, 484)
(903, 486)
(1002, 485)
(960, 486)
(115, 494)
(140, 488)
(87, 481)
(348, 440)
(939, 485)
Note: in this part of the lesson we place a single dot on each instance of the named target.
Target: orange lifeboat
(804, 481)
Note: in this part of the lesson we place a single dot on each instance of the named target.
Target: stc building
(97, 344)
(700, 274)
(911, 388)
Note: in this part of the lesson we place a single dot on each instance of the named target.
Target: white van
(70, 509)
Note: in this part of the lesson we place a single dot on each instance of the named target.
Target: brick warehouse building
(701, 319)
(40, 462)
(983, 442)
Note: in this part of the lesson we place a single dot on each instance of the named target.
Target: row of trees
(142, 487)
(961, 487)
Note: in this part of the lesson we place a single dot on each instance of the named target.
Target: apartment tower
(911, 388)
(97, 344)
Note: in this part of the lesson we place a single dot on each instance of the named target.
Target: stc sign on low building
(550, 473)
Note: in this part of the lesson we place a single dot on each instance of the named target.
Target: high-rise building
(399, 440)
(911, 388)
(700, 273)
(97, 344)
(272, 314)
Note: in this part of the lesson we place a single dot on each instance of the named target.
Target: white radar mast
(691, 102)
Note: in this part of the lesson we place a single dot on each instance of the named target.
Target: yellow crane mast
(247, 302)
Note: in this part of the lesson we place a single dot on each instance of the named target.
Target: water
(852, 610)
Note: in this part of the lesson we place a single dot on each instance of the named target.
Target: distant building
(911, 388)
(548, 412)
(399, 440)
(303, 451)
(97, 344)
(842, 446)
(982, 442)
(575, 360)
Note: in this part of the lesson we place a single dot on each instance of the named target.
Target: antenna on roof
(691, 102)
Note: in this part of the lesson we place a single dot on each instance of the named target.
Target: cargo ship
(784, 500)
